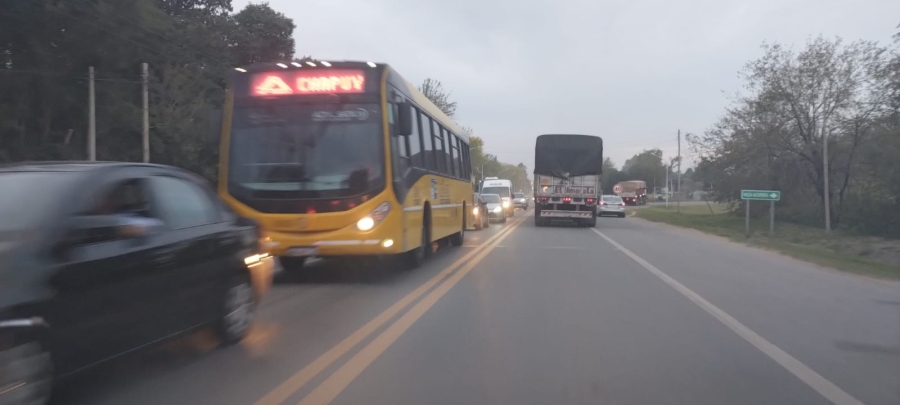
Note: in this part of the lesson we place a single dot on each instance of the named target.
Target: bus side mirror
(404, 119)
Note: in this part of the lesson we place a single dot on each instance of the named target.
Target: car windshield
(491, 198)
(612, 200)
(300, 151)
(29, 197)
(520, 195)
(501, 191)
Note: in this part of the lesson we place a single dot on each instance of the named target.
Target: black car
(100, 259)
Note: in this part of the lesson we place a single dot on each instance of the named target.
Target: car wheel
(292, 264)
(26, 374)
(237, 311)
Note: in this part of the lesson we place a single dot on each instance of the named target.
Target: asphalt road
(627, 313)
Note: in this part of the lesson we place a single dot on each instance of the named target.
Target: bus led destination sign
(299, 82)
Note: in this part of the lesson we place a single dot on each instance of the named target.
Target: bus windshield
(290, 151)
(502, 191)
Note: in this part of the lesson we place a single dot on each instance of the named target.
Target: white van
(494, 185)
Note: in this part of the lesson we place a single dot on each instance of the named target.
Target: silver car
(494, 207)
(611, 205)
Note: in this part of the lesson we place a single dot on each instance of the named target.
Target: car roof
(71, 166)
(498, 195)
(89, 167)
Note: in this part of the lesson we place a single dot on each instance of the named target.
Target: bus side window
(428, 143)
(467, 163)
(414, 141)
(438, 140)
(454, 155)
(460, 161)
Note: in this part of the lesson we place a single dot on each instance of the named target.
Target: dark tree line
(46, 47)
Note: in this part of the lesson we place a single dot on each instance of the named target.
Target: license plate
(302, 251)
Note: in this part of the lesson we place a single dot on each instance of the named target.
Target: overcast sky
(632, 72)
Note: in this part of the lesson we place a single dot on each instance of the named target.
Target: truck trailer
(567, 178)
(633, 192)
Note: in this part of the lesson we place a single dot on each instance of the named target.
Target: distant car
(495, 206)
(101, 259)
(520, 200)
(480, 212)
(611, 205)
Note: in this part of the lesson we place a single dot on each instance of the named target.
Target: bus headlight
(379, 214)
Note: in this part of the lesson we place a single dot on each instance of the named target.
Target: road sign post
(761, 195)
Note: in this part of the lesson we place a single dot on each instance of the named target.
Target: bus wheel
(457, 238)
(417, 256)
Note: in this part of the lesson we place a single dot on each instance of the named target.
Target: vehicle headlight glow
(498, 209)
(475, 210)
(374, 218)
(506, 204)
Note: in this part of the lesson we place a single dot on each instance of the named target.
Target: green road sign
(762, 195)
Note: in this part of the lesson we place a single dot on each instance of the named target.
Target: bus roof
(394, 78)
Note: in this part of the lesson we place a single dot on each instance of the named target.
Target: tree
(262, 35)
(189, 45)
(772, 137)
(647, 166)
(434, 91)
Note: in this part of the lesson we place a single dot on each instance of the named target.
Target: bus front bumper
(331, 244)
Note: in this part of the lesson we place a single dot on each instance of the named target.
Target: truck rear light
(567, 199)
(590, 200)
(543, 198)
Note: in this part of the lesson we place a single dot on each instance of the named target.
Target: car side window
(183, 204)
(127, 197)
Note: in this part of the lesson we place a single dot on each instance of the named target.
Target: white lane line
(824, 387)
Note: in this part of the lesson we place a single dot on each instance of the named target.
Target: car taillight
(622, 204)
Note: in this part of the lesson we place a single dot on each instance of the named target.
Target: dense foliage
(47, 46)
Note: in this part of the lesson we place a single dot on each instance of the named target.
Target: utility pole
(92, 123)
(146, 132)
(679, 170)
(825, 176)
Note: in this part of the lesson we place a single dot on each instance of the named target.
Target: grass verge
(853, 253)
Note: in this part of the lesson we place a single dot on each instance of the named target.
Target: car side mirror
(404, 119)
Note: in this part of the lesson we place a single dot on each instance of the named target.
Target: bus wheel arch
(414, 258)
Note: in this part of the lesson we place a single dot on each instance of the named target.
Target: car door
(197, 226)
(107, 290)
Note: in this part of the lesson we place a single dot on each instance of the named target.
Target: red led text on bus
(307, 82)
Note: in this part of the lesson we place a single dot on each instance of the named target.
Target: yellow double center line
(340, 379)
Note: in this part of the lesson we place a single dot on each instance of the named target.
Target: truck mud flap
(567, 214)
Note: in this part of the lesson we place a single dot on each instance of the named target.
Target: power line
(57, 74)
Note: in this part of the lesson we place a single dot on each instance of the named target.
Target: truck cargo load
(633, 192)
(567, 178)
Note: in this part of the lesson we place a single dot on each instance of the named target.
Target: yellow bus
(341, 159)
